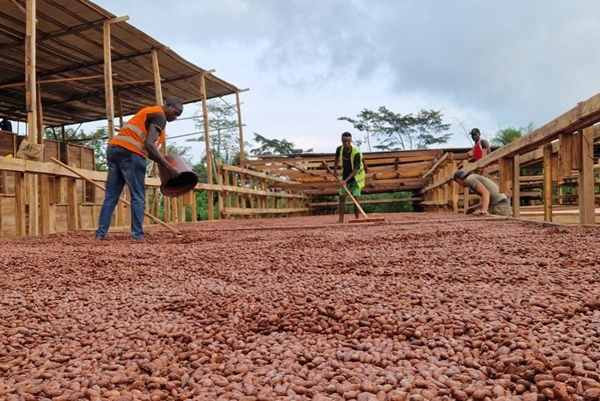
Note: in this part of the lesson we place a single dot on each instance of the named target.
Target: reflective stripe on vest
(133, 135)
(132, 141)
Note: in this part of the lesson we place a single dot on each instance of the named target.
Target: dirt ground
(422, 307)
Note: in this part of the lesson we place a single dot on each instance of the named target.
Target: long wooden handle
(125, 201)
(360, 209)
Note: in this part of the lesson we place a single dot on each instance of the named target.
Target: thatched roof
(70, 64)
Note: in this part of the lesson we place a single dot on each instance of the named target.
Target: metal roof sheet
(70, 64)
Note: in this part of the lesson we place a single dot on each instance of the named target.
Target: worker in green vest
(353, 172)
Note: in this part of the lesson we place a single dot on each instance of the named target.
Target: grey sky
(484, 63)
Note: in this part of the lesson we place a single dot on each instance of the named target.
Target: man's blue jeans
(124, 167)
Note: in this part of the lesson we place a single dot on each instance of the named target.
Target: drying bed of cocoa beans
(421, 307)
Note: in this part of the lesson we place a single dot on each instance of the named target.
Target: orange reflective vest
(132, 135)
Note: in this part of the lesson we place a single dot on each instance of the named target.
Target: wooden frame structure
(563, 147)
(70, 61)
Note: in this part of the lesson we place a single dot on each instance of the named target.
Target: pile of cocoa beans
(422, 307)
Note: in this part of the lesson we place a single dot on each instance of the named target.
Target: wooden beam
(583, 115)
(54, 80)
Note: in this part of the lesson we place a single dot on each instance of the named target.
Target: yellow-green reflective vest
(360, 176)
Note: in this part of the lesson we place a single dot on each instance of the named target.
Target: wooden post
(108, 84)
(516, 189)
(209, 161)
(505, 167)
(240, 129)
(158, 95)
(20, 196)
(455, 188)
(576, 146)
(72, 205)
(548, 182)
(31, 98)
(586, 178)
(174, 209)
(220, 193)
(45, 208)
(193, 206)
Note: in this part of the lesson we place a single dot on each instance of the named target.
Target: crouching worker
(492, 200)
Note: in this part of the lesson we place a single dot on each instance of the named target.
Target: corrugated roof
(70, 64)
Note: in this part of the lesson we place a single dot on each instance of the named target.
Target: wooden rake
(125, 201)
(360, 209)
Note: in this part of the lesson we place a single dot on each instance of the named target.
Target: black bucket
(180, 185)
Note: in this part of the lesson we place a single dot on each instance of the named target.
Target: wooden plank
(547, 182)
(516, 191)
(439, 202)
(586, 178)
(564, 155)
(253, 173)
(440, 160)
(417, 154)
(241, 211)
(370, 201)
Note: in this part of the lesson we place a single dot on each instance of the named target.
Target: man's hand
(480, 212)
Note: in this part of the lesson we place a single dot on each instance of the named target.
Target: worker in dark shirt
(353, 172)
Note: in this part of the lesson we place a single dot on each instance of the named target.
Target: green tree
(505, 136)
(275, 146)
(367, 122)
(224, 133)
(397, 132)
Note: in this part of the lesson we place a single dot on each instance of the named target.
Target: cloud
(491, 64)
